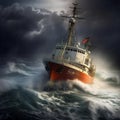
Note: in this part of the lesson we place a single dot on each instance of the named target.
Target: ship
(71, 59)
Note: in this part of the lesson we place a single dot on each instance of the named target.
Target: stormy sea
(27, 94)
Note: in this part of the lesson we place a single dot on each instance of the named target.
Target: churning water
(25, 93)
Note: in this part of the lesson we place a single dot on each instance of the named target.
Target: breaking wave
(26, 93)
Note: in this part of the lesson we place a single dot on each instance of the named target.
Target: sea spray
(66, 100)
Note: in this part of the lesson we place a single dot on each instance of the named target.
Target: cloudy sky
(25, 31)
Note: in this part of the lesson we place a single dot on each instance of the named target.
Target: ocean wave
(71, 105)
(66, 100)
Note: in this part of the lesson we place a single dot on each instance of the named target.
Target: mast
(72, 22)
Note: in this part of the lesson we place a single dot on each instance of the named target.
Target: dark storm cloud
(10, 2)
(53, 5)
(102, 24)
(24, 31)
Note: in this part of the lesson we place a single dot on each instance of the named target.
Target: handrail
(71, 62)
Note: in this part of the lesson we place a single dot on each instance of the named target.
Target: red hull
(61, 72)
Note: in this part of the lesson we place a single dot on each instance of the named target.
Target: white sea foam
(12, 67)
(108, 105)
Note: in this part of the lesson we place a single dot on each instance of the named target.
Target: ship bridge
(72, 54)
